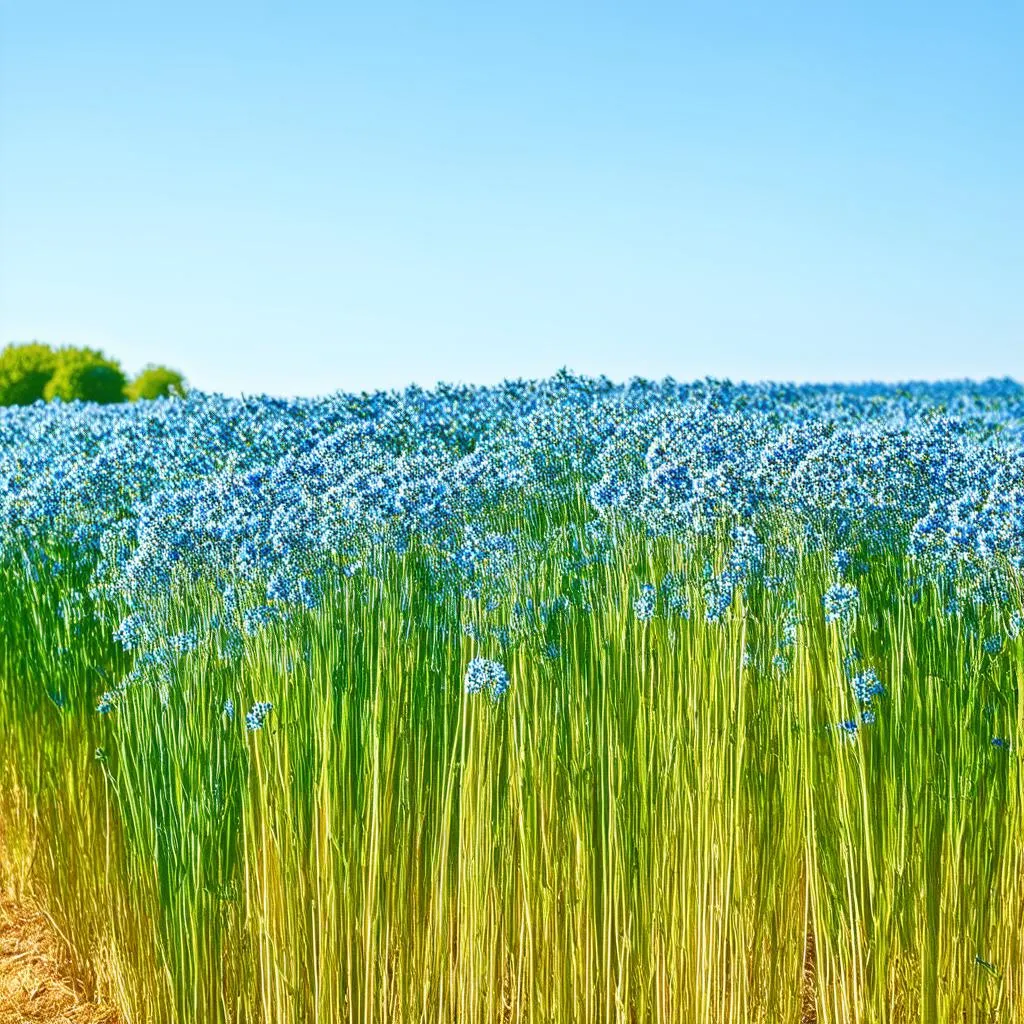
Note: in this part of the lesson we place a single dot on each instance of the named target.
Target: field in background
(557, 701)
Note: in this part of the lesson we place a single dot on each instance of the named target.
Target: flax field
(556, 701)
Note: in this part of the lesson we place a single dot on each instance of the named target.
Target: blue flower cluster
(644, 605)
(256, 715)
(483, 674)
(841, 601)
(866, 686)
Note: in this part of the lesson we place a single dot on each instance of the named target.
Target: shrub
(25, 370)
(85, 375)
(157, 382)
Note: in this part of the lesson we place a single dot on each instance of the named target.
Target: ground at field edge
(36, 984)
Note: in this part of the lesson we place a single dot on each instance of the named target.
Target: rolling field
(557, 701)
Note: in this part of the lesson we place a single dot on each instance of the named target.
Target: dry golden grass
(36, 985)
(810, 985)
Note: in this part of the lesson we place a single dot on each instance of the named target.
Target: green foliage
(32, 372)
(25, 370)
(85, 375)
(157, 382)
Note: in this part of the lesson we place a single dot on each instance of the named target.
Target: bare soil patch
(36, 983)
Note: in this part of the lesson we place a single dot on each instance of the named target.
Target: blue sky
(306, 197)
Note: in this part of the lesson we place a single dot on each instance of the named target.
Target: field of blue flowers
(559, 700)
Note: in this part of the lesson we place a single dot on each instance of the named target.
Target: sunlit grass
(653, 824)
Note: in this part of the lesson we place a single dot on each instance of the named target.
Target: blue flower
(183, 643)
(673, 589)
(866, 685)
(841, 601)
(789, 632)
(131, 633)
(993, 644)
(643, 606)
(258, 618)
(841, 561)
(483, 674)
(257, 714)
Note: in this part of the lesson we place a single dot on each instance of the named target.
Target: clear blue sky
(301, 198)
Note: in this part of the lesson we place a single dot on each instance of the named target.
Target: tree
(85, 375)
(25, 370)
(32, 372)
(157, 382)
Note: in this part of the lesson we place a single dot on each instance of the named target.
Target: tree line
(32, 372)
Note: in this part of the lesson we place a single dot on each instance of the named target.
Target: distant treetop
(32, 372)
(157, 382)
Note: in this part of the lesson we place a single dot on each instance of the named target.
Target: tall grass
(656, 823)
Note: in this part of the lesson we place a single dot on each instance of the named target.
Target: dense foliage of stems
(663, 819)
